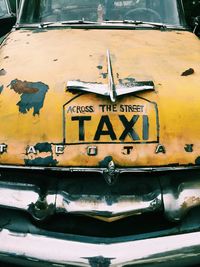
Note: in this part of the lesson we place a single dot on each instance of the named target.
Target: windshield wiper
(137, 23)
(78, 22)
(43, 25)
(67, 22)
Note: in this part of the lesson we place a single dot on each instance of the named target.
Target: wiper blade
(138, 22)
(154, 24)
(42, 25)
(67, 22)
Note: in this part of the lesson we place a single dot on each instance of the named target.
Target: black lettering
(135, 108)
(71, 109)
(128, 127)
(114, 108)
(145, 131)
(78, 109)
(89, 109)
(82, 109)
(105, 121)
(109, 108)
(102, 108)
(121, 108)
(132, 108)
(128, 150)
(81, 120)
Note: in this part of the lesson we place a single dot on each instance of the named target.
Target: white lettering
(59, 149)
(31, 149)
(3, 148)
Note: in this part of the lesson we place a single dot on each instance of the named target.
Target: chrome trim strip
(111, 85)
(101, 170)
(57, 250)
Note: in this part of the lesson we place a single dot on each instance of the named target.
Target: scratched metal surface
(35, 116)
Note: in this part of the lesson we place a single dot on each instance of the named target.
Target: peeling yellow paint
(144, 55)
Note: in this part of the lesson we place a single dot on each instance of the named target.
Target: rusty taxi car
(100, 135)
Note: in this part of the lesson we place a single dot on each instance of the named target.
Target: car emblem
(110, 90)
(110, 173)
(99, 261)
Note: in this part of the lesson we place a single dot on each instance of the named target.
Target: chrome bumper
(38, 248)
(64, 251)
(175, 202)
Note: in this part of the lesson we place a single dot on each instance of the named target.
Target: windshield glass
(158, 11)
(3, 8)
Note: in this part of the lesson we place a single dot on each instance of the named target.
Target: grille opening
(87, 226)
(141, 226)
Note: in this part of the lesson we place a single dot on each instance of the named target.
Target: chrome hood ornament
(111, 90)
(110, 173)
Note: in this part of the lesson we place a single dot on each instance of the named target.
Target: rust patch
(188, 72)
(190, 202)
(22, 87)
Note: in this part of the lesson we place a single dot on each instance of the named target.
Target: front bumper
(36, 250)
(23, 243)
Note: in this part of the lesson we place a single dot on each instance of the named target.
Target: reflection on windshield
(159, 11)
(3, 8)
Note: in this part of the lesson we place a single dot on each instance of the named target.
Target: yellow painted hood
(44, 124)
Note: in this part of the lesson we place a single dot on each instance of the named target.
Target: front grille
(142, 184)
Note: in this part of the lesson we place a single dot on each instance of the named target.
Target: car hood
(45, 124)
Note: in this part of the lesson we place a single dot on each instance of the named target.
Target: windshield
(157, 11)
(3, 8)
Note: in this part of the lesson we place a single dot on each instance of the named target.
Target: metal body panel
(41, 62)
